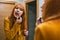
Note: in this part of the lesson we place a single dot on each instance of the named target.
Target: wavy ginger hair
(51, 8)
(13, 19)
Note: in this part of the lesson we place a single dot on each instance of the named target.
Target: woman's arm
(10, 33)
(38, 34)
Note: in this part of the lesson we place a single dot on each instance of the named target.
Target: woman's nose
(17, 11)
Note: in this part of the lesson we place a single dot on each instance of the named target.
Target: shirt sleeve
(38, 34)
(10, 33)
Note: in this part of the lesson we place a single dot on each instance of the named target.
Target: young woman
(14, 24)
(50, 28)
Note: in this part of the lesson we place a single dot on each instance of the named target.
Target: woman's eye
(16, 8)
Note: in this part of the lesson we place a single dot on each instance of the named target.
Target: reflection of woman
(13, 25)
(50, 28)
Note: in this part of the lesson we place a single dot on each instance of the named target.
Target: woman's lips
(16, 14)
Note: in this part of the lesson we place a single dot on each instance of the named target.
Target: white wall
(39, 9)
(6, 0)
(20, 1)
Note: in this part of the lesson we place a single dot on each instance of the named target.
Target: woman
(14, 24)
(50, 28)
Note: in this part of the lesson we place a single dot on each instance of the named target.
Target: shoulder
(6, 19)
(44, 25)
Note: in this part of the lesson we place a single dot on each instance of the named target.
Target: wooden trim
(37, 8)
(7, 3)
(27, 1)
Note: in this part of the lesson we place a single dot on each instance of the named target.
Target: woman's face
(18, 12)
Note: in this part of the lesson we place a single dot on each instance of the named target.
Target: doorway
(31, 8)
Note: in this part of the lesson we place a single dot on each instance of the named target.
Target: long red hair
(13, 19)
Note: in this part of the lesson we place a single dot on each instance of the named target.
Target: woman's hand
(26, 32)
(19, 20)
